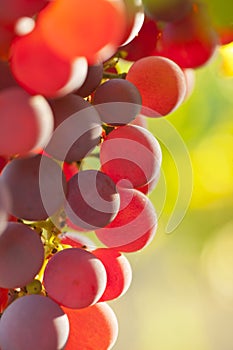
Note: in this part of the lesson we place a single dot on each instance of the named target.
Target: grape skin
(75, 278)
(33, 322)
(21, 255)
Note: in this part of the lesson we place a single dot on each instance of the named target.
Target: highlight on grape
(77, 87)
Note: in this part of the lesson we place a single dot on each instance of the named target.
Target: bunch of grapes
(64, 100)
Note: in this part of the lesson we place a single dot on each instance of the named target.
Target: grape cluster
(64, 100)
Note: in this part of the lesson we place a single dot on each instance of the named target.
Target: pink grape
(130, 152)
(39, 70)
(26, 122)
(118, 102)
(21, 255)
(135, 225)
(94, 327)
(161, 83)
(94, 32)
(75, 278)
(34, 322)
(36, 186)
(92, 200)
(77, 240)
(119, 272)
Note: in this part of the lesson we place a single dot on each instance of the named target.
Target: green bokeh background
(181, 296)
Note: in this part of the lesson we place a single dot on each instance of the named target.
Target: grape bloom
(79, 82)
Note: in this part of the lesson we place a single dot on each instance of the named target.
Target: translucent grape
(78, 128)
(119, 272)
(39, 70)
(21, 255)
(134, 226)
(94, 327)
(26, 124)
(35, 189)
(190, 42)
(94, 32)
(144, 43)
(140, 120)
(161, 83)
(75, 278)
(34, 322)
(130, 152)
(92, 199)
(118, 101)
(93, 79)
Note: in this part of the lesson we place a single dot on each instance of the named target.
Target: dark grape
(118, 101)
(167, 10)
(21, 255)
(34, 322)
(78, 129)
(92, 199)
(93, 79)
(36, 185)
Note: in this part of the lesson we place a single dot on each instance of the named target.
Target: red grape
(190, 42)
(75, 278)
(3, 298)
(119, 272)
(93, 32)
(21, 255)
(134, 226)
(130, 152)
(39, 70)
(6, 37)
(6, 78)
(5, 202)
(34, 322)
(144, 43)
(93, 328)
(161, 83)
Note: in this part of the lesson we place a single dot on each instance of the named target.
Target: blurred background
(181, 296)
